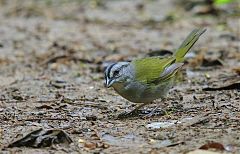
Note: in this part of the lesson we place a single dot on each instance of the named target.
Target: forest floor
(52, 58)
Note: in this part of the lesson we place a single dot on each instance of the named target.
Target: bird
(150, 78)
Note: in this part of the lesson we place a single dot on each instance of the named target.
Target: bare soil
(52, 58)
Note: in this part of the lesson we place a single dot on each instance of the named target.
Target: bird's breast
(139, 93)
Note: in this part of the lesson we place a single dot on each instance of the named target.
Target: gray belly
(140, 93)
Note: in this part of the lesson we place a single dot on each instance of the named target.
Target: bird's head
(116, 73)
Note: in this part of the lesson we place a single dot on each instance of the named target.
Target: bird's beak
(109, 83)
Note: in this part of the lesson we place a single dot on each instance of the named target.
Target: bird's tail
(188, 43)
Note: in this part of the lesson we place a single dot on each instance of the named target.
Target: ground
(53, 55)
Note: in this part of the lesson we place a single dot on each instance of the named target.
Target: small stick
(48, 118)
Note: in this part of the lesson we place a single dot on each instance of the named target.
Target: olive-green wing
(154, 70)
(149, 69)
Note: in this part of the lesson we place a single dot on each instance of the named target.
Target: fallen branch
(48, 118)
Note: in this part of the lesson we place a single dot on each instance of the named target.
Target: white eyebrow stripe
(113, 67)
(108, 70)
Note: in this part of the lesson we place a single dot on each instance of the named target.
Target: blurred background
(113, 26)
(53, 54)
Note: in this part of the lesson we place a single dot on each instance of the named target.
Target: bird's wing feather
(187, 44)
(149, 69)
(154, 70)
(168, 72)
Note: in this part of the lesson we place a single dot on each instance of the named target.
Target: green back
(149, 69)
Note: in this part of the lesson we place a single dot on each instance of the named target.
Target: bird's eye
(116, 73)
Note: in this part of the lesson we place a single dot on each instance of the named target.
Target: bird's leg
(137, 108)
(134, 111)
(154, 110)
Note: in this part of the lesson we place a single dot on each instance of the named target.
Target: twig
(48, 118)
(195, 120)
(70, 57)
(175, 144)
(53, 59)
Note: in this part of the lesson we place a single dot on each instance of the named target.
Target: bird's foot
(140, 113)
(155, 112)
(134, 113)
(149, 115)
(131, 114)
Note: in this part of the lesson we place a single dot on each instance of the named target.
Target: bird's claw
(125, 115)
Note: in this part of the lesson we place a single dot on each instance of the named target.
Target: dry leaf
(213, 145)
(236, 70)
(42, 138)
(90, 145)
